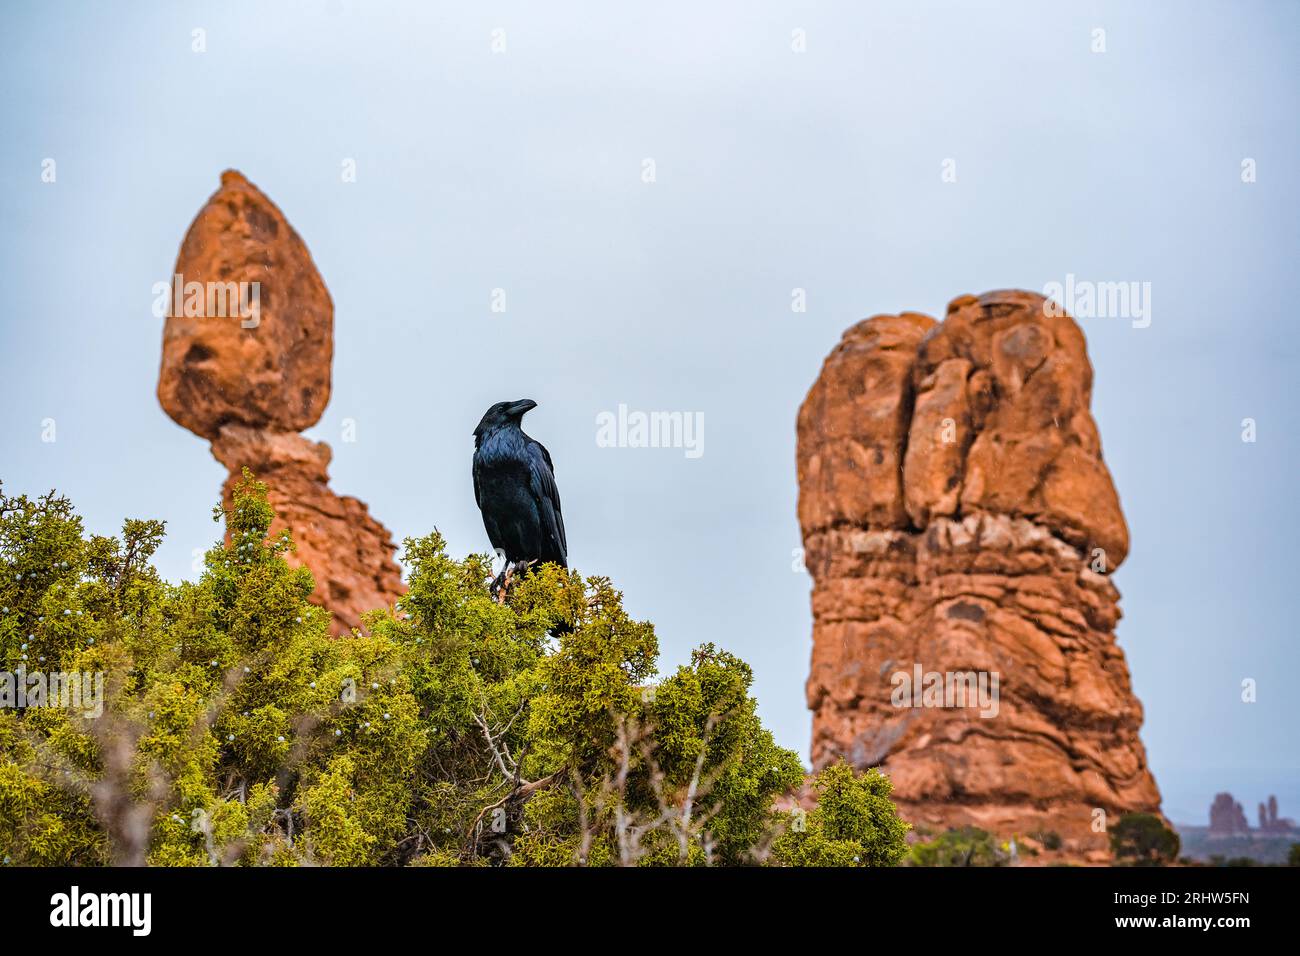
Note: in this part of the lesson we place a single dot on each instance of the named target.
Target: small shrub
(964, 846)
(853, 824)
(1142, 839)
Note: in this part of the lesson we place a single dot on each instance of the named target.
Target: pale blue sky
(820, 170)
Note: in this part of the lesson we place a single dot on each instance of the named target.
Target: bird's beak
(523, 405)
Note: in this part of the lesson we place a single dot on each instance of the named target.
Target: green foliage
(453, 729)
(1142, 839)
(853, 824)
(1293, 855)
(963, 846)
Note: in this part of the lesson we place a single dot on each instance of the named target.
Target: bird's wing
(478, 491)
(489, 516)
(547, 494)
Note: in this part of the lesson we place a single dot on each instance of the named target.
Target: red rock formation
(958, 519)
(268, 371)
(247, 350)
(1227, 817)
(1270, 822)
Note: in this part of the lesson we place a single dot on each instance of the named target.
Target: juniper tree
(449, 729)
(854, 823)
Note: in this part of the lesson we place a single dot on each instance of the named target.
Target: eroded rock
(246, 363)
(958, 518)
(270, 369)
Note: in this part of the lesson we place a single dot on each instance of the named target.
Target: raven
(514, 485)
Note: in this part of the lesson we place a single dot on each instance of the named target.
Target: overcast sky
(523, 170)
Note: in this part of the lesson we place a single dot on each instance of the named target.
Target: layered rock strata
(960, 526)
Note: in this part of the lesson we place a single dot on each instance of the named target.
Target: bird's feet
(497, 588)
(504, 590)
(500, 586)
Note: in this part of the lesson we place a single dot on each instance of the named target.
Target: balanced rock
(247, 350)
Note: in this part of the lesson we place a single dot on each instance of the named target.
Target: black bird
(514, 485)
